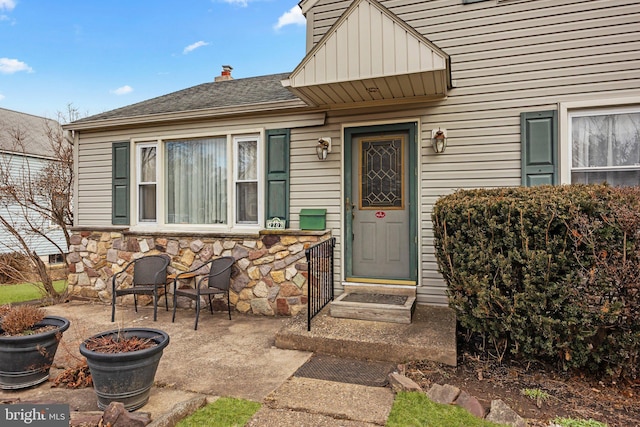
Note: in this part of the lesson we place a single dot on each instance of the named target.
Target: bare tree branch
(36, 188)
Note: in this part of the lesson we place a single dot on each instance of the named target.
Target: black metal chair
(218, 280)
(149, 275)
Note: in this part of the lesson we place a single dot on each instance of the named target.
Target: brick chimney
(226, 74)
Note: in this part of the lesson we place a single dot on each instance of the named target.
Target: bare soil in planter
(570, 395)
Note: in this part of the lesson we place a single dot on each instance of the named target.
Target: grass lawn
(224, 412)
(416, 409)
(25, 292)
(410, 409)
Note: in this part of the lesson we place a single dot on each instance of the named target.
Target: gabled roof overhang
(370, 56)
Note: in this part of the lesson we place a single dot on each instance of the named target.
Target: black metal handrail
(320, 281)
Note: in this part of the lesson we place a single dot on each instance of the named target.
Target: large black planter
(25, 360)
(125, 377)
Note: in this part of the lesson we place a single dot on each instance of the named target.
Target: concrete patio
(239, 358)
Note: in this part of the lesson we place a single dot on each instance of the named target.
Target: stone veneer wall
(269, 277)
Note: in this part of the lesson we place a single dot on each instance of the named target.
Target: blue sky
(101, 55)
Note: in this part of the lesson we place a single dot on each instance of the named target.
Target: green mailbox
(313, 219)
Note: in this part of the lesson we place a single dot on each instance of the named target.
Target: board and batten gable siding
(507, 58)
(94, 151)
(23, 167)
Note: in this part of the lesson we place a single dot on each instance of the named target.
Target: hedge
(547, 273)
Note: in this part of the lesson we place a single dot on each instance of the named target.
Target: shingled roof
(228, 93)
(32, 131)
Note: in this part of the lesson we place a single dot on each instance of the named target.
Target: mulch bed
(571, 395)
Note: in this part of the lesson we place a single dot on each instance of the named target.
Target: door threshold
(366, 280)
(379, 288)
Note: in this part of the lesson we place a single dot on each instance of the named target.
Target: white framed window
(246, 174)
(604, 146)
(56, 259)
(147, 180)
(195, 181)
(196, 176)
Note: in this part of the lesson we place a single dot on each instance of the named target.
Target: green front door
(380, 195)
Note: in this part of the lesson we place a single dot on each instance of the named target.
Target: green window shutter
(120, 183)
(277, 174)
(539, 141)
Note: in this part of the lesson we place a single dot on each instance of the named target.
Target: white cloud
(10, 66)
(1, 97)
(241, 3)
(122, 90)
(194, 46)
(293, 16)
(7, 4)
(6, 18)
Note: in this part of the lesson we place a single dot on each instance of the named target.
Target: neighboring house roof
(207, 96)
(32, 130)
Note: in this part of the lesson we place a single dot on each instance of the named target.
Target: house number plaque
(276, 223)
(380, 214)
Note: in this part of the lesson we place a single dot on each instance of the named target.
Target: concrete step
(374, 306)
(430, 336)
(376, 302)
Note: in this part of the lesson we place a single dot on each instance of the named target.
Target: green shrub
(549, 273)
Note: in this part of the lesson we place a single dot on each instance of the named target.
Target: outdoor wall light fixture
(439, 140)
(324, 147)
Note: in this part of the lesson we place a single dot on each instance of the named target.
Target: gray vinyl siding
(506, 58)
(93, 206)
(317, 184)
(22, 167)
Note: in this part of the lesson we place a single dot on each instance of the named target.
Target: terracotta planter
(25, 360)
(125, 377)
